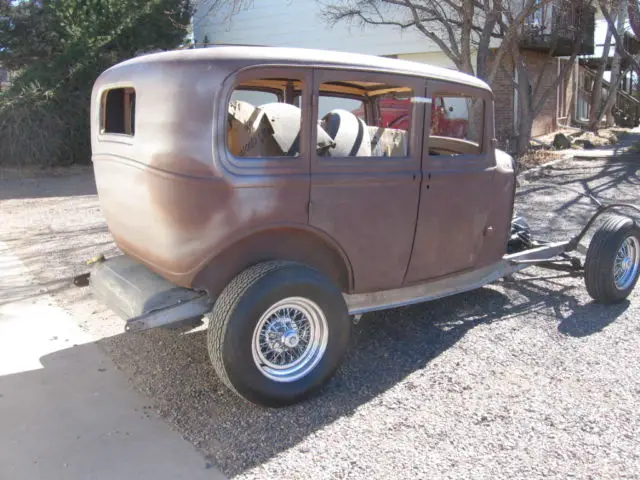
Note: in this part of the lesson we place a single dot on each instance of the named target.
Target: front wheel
(613, 260)
(278, 332)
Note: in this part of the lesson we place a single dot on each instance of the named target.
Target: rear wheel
(613, 260)
(278, 332)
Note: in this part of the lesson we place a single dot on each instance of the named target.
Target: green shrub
(44, 127)
(60, 47)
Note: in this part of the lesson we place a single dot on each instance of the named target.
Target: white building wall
(297, 23)
(437, 59)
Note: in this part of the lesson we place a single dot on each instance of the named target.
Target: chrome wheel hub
(626, 263)
(290, 339)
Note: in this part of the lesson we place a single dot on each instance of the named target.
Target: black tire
(237, 312)
(599, 264)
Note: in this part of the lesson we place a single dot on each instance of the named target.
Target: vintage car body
(280, 220)
(197, 216)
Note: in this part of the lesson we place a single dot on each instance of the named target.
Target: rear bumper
(143, 298)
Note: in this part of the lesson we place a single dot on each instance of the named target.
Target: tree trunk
(613, 90)
(616, 66)
(475, 113)
(596, 95)
(525, 124)
(614, 80)
(634, 17)
(526, 114)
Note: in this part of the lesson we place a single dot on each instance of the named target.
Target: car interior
(356, 119)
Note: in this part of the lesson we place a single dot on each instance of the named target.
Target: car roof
(310, 57)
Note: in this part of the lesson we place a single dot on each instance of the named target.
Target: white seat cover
(349, 133)
(284, 119)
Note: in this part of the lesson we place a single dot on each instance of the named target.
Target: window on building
(118, 111)
(457, 124)
(364, 119)
(264, 118)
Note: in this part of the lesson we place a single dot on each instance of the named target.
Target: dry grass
(605, 137)
(548, 138)
(533, 158)
(44, 127)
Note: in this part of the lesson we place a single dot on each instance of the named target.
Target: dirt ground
(522, 379)
(605, 136)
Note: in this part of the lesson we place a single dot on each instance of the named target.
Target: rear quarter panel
(166, 199)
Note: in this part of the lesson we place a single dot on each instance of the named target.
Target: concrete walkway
(66, 412)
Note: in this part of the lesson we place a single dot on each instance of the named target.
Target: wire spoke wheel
(626, 263)
(290, 339)
(612, 263)
(278, 332)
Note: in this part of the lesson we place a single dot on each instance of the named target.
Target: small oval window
(119, 111)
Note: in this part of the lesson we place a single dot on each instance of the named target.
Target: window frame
(252, 165)
(481, 141)
(103, 135)
(371, 163)
(486, 156)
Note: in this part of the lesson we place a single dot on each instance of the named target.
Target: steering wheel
(397, 120)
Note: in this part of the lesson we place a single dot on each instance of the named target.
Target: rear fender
(309, 247)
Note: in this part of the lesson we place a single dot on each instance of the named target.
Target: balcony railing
(556, 27)
(626, 109)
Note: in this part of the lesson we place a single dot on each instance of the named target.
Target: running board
(360, 303)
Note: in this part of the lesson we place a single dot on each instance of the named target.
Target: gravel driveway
(525, 378)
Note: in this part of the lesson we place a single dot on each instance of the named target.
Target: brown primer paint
(177, 201)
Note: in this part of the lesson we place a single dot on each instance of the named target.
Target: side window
(261, 123)
(457, 122)
(364, 119)
(118, 111)
(328, 103)
(254, 97)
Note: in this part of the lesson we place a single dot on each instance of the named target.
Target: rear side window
(119, 111)
(264, 118)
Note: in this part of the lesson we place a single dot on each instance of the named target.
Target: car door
(366, 197)
(455, 196)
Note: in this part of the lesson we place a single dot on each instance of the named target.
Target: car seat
(284, 120)
(349, 133)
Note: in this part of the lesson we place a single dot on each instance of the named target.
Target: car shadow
(552, 203)
(591, 318)
(386, 347)
(174, 373)
(574, 319)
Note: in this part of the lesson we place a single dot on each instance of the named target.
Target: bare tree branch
(451, 51)
(634, 17)
(618, 38)
(462, 28)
